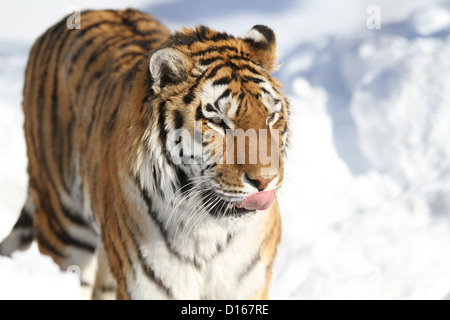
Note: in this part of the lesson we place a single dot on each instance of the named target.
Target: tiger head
(222, 118)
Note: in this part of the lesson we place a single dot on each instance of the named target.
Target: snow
(30, 276)
(366, 200)
(431, 21)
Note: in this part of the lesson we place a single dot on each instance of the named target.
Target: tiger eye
(217, 120)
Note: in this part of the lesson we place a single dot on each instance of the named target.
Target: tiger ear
(169, 66)
(262, 44)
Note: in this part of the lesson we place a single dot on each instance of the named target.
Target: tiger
(106, 194)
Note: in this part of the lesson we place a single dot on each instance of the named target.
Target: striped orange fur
(101, 104)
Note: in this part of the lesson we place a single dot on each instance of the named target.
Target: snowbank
(371, 220)
(32, 276)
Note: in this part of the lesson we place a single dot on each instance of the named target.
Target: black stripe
(182, 179)
(214, 71)
(100, 48)
(233, 66)
(209, 61)
(241, 101)
(284, 129)
(222, 81)
(241, 57)
(112, 213)
(86, 43)
(210, 108)
(189, 97)
(154, 217)
(201, 33)
(267, 92)
(74, 217)
(156, 173)
(227, 64)
(104, 90)
(122, 239)
(66, 154)
(250, 266)
(81, 33)
(211, 166)
(83, 46)
(198, 35)
(131, 233)
(57, 33)
(43, 242)
(25, 220)
(199, 113)
(255, 80)
(225, 94)
(146, 266)
(26, 238)
(206, 62)
(65, 238)
(133, 24)
(251, 69)
(254, 95)
(219, 36)
(229, 238)
(109, 124)
(221, 248)
(107, 74)
(178, 118)
(47, 55)
(215, 49)
(152, 275)
(58, 139)
(81, 83)
(162, 125)
(117, 63)
(130, 74)
(116, 253)
(60, 26)
(123, 61)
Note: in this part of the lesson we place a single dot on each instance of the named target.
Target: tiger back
(105, 107)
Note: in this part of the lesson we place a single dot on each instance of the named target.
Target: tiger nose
(260, 183)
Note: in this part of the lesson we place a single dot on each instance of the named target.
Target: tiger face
(226, 126)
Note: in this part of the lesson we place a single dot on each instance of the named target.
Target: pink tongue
(259, 201)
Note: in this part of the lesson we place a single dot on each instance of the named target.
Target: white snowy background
(366, 202)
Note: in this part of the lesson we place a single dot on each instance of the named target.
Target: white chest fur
(226, 275)
(219, 258)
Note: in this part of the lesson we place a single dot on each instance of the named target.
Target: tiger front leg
(126, 238)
